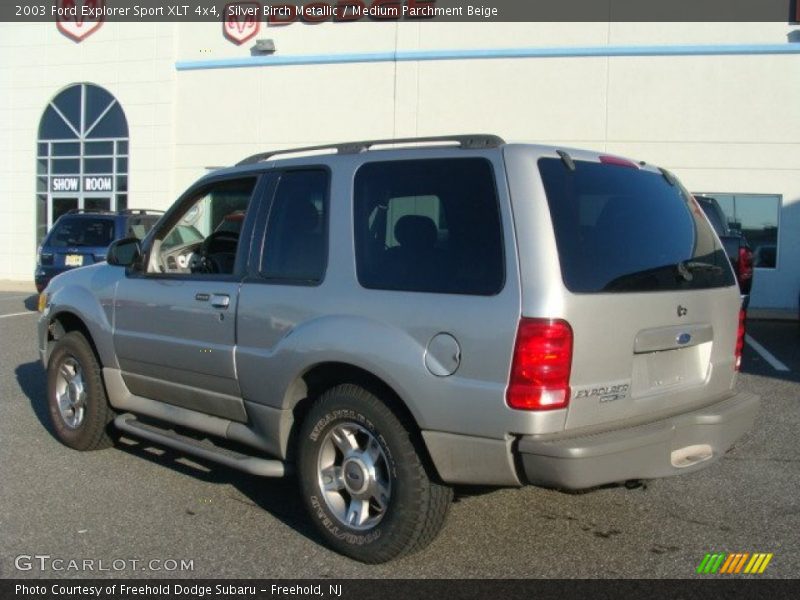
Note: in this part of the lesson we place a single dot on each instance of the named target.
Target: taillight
(745, 265)
(541, 365)
(740, 339)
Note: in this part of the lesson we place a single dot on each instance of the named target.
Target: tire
(76, 397)
(381, 502)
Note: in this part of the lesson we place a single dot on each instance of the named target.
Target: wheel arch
(316, 379)
(64, 322)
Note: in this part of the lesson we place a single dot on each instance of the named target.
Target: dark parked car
(736, 246)
(81, 237)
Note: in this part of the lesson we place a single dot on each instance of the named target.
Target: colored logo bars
(721, 563)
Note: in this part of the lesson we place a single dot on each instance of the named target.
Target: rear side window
(622, 229)
(139, 227)
(295, 247)
(428, 226)
(82, 232)
(714, 213)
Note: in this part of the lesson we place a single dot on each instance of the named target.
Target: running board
(254, 465)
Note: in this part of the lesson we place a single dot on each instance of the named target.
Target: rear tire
(77, 402)
(363, 479)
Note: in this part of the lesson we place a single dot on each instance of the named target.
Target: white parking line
(27, 312)
(765, 354)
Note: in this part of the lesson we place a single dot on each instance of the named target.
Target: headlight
(42, 301)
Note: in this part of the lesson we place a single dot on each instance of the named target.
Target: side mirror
(124, 252)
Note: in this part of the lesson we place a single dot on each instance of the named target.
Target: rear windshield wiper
(650, 278)
(687, 268)
(639, 279)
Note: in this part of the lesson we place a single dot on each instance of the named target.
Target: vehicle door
(175, 318)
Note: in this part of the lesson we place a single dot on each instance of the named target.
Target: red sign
(241, 21)
(78, 19)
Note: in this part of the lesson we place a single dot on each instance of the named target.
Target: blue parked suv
(82, 237)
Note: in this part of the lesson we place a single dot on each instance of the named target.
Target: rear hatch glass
(626, 229)
(80, 241)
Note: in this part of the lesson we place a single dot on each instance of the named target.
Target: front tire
(78, 406)
(363, 478)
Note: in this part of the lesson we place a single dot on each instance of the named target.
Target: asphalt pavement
(137, 510)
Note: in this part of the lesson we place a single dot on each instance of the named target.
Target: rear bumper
(672, 446)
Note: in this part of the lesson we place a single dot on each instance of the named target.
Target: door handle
(220, 300)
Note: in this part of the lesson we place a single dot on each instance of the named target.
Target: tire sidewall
(393, 529)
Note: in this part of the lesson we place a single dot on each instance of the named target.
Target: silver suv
(390, 322)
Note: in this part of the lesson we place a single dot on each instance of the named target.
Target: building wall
(723, 123)
(136, 63)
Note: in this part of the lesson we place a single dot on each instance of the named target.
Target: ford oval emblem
(684, 339)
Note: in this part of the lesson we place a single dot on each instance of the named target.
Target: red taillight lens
(740, 340)
(541, 365)
(745, 264)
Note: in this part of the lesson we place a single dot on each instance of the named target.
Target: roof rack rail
(469, 142)
(99, 211)
(124, 211)
(140, 211)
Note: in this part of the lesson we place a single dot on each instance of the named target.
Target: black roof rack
(140, 211)
(125, 211)
(471, 142)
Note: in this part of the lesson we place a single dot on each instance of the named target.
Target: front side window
(428, 226)
(198, 240)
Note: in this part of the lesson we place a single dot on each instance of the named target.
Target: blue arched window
(82, 154)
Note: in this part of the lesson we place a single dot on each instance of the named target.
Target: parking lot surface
(135, 509)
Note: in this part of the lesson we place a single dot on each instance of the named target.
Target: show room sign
(91, 183)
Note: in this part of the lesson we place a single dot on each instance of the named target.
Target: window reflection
(756, 217)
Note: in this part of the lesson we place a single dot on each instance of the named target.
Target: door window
(203, 237)
(295, 244)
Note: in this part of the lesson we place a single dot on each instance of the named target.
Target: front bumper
(672, 446)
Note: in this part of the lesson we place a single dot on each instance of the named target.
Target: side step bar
(254, 465)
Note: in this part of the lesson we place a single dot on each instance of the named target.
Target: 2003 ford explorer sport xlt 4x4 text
(388, 322)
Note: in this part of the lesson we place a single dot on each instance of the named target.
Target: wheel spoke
(66, 373)
(380, 496)
(64, 404)
(357, 512)
(332, 480)
(373, 450)
(344, 440)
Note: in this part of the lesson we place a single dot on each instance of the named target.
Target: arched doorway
(82, 155)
